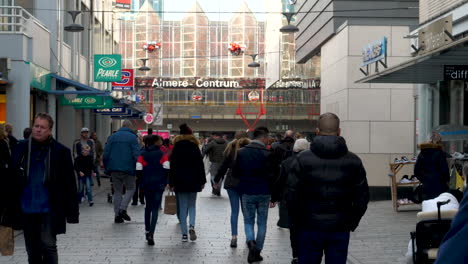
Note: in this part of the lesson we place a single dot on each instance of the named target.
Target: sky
(213, 6)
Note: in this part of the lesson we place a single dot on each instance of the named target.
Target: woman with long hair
(231, 182)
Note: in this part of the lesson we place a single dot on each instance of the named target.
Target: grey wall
(320, 19)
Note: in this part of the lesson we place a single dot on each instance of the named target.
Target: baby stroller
(430, 230)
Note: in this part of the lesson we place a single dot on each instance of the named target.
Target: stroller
(430, 230)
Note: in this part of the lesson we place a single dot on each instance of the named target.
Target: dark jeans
(312, 244)
(293, 233)
(153, 202)
(139, 193)
(255, 206)
(40, 240)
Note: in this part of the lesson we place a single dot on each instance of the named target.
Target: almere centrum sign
(107, 67)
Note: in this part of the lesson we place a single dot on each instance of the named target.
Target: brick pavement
(382, 237)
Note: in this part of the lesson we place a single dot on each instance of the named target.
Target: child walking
(84, 166)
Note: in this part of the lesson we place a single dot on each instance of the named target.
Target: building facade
(377, 120)
(219, 87)
(49, 60)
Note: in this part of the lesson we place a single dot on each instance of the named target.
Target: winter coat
(453, 246)
(432, 170)
(187, 173)
(154, 174)
(84, 164)
(5, 174)
(327, 187)
(255, 169)
(215, 150)
(59, 180)
(121, 151)
(226, 169)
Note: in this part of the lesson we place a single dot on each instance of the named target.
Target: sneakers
(150, 239)
(405, 179)
(404, 159)
(118, 219)
(184, 238)
(91, 204)
(458, 155)
(193, 235)
(123, 214)
(414, 179)
(109, 198)
(233, 243)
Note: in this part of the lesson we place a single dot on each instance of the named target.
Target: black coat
(60, 183)
(432, 170)
(187, 173)
(5, 174)
(328, 187)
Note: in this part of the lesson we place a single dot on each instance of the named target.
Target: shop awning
(80, 88)
(427, 68)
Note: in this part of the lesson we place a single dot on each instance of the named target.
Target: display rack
(395, 169)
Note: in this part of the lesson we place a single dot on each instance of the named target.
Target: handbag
(7, 241)
(170, 204)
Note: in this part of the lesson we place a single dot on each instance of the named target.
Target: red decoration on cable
(151, 46)
(256, 98)
(236, 49)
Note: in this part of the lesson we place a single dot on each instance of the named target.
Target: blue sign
(374, 52)
(113, 110)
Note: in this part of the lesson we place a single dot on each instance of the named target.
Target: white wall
(377, 119)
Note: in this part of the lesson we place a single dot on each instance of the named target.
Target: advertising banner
(374, 52)
(455, 72)
(111, 111)
(107, 68)
(88, 102)
(158, 114)
(127, 82)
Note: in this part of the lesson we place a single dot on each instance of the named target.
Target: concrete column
(18, 105)
(66, 128)
(87, 118)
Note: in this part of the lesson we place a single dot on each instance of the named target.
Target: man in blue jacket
(254, 167)
(120, 157)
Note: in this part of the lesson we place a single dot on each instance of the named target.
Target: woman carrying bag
(231, 182)
(154, 180)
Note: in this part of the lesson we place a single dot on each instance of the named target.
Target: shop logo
(107, 62)
(90, 100)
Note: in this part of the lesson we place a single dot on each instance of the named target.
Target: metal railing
(15, 19)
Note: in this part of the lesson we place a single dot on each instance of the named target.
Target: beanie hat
(301, 144)
(185, 130)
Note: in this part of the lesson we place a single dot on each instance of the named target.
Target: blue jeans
(85, 181)
(187, 202)
(255, 205)
(235, 200)
(153, 202)
(312, 244)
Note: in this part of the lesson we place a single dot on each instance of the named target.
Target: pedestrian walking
(11, 139)
(281, 152)
(5, 174)
(186, 178)
(214, 150)
(85, 169)
(255, 168)
(84, 140)
(299, 146)
(120, 157)
(139, 192)
(98, 159)
(431, 168)
(43, 191)
(154, 180)
(231, 183)
(328, 189)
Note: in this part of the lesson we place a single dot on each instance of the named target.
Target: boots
(253, 251)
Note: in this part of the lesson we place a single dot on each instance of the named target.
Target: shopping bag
(7, 241)
(170, 204)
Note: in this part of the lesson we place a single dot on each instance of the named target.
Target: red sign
(163, 133)
(123, 4)
(127, 82)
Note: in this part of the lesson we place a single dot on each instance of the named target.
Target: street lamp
(74, 27)
(254, 64)
(144, 67)
(289, 28)
(3, 81)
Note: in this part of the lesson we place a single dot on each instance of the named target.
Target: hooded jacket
(432, 170)
(187, 172)
(327, 187)
(215, 150)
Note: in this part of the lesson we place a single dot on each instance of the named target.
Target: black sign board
(455, 72)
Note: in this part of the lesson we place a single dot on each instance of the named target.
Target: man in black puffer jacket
(328, 188)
